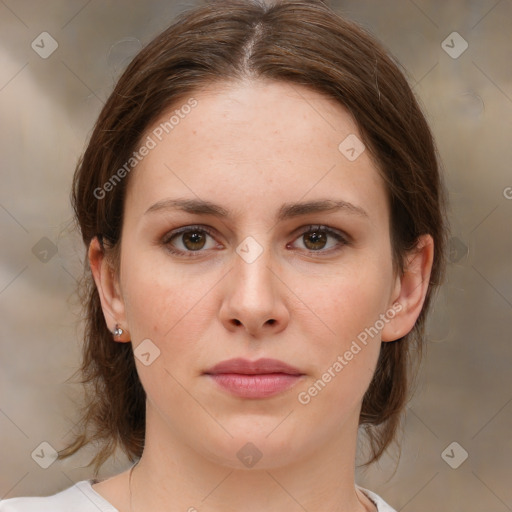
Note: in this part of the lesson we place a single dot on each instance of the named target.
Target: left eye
(316, 238)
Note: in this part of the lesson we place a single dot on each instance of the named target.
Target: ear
(108, 289)
(410, 290)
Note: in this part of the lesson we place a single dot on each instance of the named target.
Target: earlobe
(412, 288)
(108, 290)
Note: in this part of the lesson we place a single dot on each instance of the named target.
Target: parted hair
(295, 41)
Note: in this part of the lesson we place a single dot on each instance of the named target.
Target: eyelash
(342, 239)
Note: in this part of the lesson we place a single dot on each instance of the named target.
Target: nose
(254, 298)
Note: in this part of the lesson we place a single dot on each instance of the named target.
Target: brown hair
(296, 41)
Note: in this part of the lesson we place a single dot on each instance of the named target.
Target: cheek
(171, 314)
(345, 359)
(164, 303)
(347, 340)
(349, 302)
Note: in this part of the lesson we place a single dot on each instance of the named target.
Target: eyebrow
(287, 210)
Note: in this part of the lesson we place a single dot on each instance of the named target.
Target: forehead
(256, 142)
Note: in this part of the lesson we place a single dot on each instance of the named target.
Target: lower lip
(255, 386)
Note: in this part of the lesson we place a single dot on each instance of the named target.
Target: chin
(257, 447)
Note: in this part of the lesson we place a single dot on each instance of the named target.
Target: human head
(295, 42)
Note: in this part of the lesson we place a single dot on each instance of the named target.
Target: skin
(250, 147)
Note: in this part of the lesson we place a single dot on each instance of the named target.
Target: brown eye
(315, 240)
(187, 240)
(193, 240)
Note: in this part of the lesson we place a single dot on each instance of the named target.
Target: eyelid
(324, 228)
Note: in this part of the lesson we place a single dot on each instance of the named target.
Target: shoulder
(381, 505)
(80, 497)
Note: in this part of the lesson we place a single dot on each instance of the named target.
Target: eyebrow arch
(287, 210)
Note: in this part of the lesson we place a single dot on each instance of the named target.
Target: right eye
(188, 240)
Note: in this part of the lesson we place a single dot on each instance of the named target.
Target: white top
(81, 497)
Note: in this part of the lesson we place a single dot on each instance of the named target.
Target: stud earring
(120, 334)
(118, 331)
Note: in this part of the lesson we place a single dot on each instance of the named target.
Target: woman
(264, 218)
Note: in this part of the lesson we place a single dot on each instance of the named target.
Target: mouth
(254, 379)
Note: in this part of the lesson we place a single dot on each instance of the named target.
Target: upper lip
(258, 367)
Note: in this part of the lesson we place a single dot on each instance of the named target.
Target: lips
(259, 367)
(254, 379)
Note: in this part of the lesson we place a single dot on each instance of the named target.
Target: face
(265, 279)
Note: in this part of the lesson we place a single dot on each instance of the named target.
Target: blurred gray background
(463, 404)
